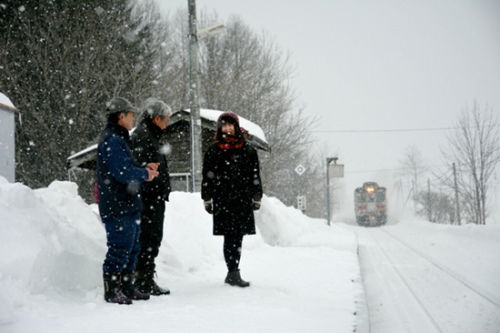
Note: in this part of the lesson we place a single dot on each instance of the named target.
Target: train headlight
(370, 189)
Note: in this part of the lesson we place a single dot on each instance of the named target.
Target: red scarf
(230, 142)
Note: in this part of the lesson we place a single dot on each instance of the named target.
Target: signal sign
(300, 169)
(301, 202)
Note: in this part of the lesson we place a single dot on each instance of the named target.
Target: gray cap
(155, 107)
(119, 104)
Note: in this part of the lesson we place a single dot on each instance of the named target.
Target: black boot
(145, 283)
(156, 290)
(234, 279)
(112, 289)
(129, 289)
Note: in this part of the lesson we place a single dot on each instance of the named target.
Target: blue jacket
(118, 176)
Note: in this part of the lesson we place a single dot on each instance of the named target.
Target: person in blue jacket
(119, 178)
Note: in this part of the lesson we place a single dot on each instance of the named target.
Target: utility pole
(429, 201)
(336, 172)
(301, 198)
(457, 203)
(328, 208)
(194, 104)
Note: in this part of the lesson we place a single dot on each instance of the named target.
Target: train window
(367, 197)
(380, 196)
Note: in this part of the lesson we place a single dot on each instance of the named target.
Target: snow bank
(281, 225)
(39, 243)
(50, 243)
(52, 247)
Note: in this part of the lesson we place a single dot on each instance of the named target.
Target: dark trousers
(123, 243)
(151, 233)
(232, 251)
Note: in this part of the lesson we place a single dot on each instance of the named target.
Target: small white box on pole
(301, 202)
(336, 171)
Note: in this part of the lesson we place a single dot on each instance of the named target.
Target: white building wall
(7, 145)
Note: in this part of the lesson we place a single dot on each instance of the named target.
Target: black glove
(208, 206)
(255, 205)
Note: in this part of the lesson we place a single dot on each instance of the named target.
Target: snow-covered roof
(83, 152)
(6, 104)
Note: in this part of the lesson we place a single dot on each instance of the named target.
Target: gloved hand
(208, 206)
(255, 205)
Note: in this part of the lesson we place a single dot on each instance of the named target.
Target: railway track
(452, 274)
(410, 291)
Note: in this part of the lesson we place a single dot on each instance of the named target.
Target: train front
(370, 204)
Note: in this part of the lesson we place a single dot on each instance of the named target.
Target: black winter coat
(147, 148)
(231, 179)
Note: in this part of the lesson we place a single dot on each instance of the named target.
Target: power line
(392, 130)
(387, 130)
(373, 171)
(427, 168)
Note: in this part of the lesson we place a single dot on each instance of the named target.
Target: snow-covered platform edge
(305, 275)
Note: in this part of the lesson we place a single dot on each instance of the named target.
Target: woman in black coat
(231, 190)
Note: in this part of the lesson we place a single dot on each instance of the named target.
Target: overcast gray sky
(380, 65)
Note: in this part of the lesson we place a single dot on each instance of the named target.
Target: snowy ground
(305, 276)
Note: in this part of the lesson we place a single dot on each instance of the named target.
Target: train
(370, 204)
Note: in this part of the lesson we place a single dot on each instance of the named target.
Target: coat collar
(152, 128)
(119, 131)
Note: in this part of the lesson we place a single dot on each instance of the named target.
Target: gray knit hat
(119, 104)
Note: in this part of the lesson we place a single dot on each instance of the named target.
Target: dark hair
(231, 118)
(114, 117)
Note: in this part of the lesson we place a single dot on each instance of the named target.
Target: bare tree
(247, 73)
(437, 207)
(475, 148)
(412, 168)
(170, 44)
